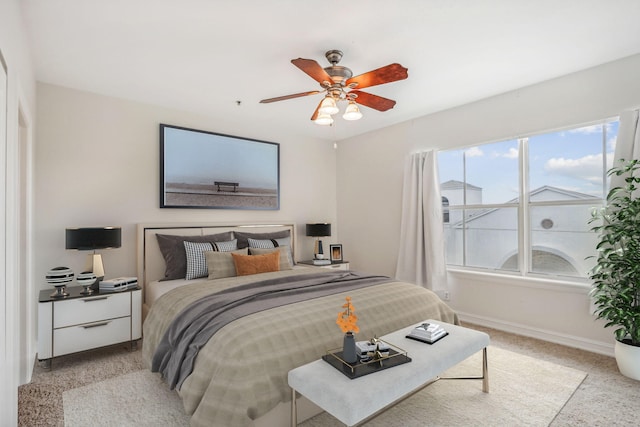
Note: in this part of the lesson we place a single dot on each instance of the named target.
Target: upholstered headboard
(151, 265)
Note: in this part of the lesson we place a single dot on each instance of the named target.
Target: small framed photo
(335, 251)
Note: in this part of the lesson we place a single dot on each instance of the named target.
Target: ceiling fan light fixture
(352, 112)
(324, 119)
(328, 106)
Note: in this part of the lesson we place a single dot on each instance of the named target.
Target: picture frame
(207, 170)
(335, 252)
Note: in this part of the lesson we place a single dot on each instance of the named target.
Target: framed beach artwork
(207, 170)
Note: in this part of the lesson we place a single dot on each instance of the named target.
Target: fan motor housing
(339, 73)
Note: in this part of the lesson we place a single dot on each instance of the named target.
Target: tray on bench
(396, 357)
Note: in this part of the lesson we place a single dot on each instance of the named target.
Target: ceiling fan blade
(390, 73)
(315, 113)
(295, 95)
(313, 69)
(373, 101)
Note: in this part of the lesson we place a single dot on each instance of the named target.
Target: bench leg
(294, 410)
(485, 371)
(484, 377)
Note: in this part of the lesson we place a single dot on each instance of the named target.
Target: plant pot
(628, 359)
(349, 348)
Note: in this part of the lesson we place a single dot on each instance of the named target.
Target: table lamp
(318, 230)
(90, 239)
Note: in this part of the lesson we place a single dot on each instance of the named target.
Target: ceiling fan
(338, 85)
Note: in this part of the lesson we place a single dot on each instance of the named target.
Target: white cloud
(611, 143)
(474, 152)
(587, 129)
(592, 129)
(512, 154)
(588, 168)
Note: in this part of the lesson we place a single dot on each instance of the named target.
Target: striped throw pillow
(196, 261)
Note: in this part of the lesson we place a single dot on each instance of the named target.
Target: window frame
(524, 207)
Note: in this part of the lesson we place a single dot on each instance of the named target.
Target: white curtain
(627, 143)
(421, 258)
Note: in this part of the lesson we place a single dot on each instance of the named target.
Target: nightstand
(335, 265)
(80, 322)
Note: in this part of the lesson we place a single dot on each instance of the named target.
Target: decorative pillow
(229, 246)
(196, 262)
(284, 255)
(244, 237)
(220, 264)
(272, 243)
(175, 259)
(254, 264)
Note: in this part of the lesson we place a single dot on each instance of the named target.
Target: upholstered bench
(354, 401)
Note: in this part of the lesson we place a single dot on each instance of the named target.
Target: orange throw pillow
(254, 264)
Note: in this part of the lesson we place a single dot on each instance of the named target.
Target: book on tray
(428, 332)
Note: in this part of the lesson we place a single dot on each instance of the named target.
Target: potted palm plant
(616, 275)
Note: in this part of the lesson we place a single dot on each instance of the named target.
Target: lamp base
(318, 252)
(86, 289)
(60, 292)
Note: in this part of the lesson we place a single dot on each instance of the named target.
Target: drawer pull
(95, 325)
(95, 299)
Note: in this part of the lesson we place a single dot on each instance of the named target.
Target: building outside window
(523, 205)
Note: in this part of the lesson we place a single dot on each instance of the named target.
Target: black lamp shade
(85, 239)
(319, 230)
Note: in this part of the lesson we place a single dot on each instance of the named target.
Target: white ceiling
(204, 55)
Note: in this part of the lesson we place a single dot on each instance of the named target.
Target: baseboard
(541, 334)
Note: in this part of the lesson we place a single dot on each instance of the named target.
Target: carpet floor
(524, 391)
(603, 398)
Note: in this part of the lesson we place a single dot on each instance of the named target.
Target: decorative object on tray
(347, 321)
(387, 356)
(374, 349)
(86, 279)
(428, 333)
(59, 277)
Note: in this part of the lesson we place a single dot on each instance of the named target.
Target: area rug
(523, 391)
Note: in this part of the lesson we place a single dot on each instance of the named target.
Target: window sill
(579, 285)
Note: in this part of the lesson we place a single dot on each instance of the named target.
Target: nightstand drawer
(91, 309)
(342, 266)
(92, 335)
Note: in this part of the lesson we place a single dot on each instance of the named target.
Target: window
(523, 205)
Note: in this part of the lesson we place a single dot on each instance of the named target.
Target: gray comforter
(240, 374)
(196, 324)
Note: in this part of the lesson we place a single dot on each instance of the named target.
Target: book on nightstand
(428, 333)
(118, 284)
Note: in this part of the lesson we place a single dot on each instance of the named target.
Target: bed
(239, 375)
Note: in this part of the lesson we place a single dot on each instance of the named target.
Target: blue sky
(570, 159)
(201, 158)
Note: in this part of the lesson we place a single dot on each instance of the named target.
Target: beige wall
(97, 163)
(369, 177)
